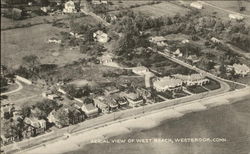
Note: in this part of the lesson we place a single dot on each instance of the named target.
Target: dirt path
(20, 87)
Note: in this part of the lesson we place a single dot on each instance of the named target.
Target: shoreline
(142, 122)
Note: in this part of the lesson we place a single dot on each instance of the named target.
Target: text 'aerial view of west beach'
(125, 77)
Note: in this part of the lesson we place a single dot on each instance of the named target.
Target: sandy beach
(150, 120)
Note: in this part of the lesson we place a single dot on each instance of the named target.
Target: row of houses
(177, 81)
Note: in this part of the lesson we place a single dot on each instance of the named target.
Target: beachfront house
(121, 101)
(133, 98)
(89, 108)
(39, 125)
(193, 79)
(167, 83)
(104, 108)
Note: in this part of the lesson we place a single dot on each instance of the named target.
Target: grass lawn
(28, 95)
(9, 87)
(162, 9)
(212, 85)
(180, 94)
(166, 94)
(196, 89)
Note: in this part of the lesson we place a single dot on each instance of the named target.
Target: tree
(62, 114)
(26, 111)
(47, 106)
(88, 101)
(32, 63)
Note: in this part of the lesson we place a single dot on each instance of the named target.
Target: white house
(196, 5)
(133, 99)
(215, 40)
(90, 110)
(178, 53)
(101, 37)
(140, 70)
(167, 83)
(69, 7)
(235, 16)
(24, 80)
(241, 69)
(185, 41)
(54, 40)
(193, 79)
(158, 40)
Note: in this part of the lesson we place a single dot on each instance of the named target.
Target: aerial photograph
(125, 77)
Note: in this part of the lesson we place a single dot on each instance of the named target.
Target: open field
(232, 5)
(226, 7)
(20, 42)
(28, 95)
(162, 9)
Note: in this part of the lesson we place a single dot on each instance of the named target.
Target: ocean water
(221, 130)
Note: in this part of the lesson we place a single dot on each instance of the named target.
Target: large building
(193, 79)
(167, 83)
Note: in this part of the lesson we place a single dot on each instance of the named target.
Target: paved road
(219, 79)
(20, 87)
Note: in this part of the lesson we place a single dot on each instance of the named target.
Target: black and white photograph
(125, 77)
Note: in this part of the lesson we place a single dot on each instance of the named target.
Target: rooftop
(189, 77)
(167, 82)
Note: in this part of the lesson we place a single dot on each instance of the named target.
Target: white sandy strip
(76, 141)
(148, 121)
(194, 107)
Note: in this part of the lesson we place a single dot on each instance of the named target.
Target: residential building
(140, 70)
(133, 99)
(240, 69)
(178, 53)
(75, 116)
(69, 7)
(236, 16)
(7, 109)
(104, 108)
(122, 102)
(196, 5)
(193, 58)
(38, 125)
(193, 79)
(106, 58)
(49, 95)
(215, 40)
(111, 90)
(185, 41)
(24, 80)
(55, 40)
(159, 41)
(167, 83)
(101, 37)
(88, 107)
